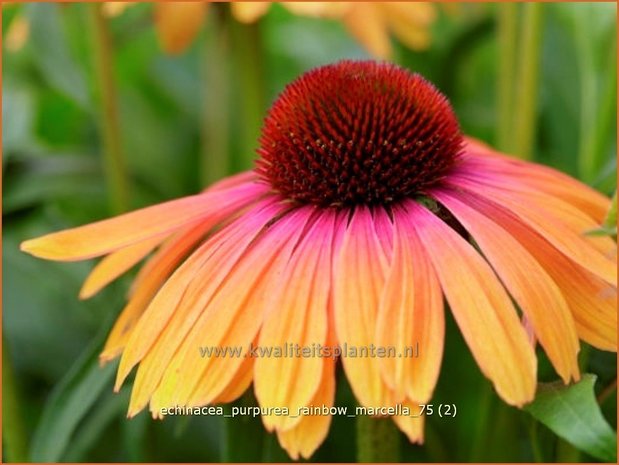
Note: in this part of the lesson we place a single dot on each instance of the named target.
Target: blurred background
(111, 107)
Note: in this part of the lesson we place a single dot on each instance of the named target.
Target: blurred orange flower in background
(371, 23)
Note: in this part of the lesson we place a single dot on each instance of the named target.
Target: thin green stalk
(216, 117)
(538, 455)
(588, 103)
(114, 161)
(247, 428)
(507, 23)
(14, 433)
(566, 453)
(434, 443)
(249, 67)
(595, 131)
(527, 82)
(611, 216)
(482, 423)
(607, 392)
(378, 440)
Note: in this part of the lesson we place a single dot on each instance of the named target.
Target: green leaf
(92, 430)
(17, 117)
(69, 403)
(609, 228)
(611, 217)
(37, 179)
(572, 413)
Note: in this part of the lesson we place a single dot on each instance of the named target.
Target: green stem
(566, 453)
(272, 452)
(588, 90)
(247, 428)
(611, 216)
(527, 82)
(378, 440)
(538, 455)
(484, 411)
(507, 22)
(14, 432)
(606, 392)
(249, 66)
(434, 443)
(115, 169)
(599, 127)
(216, 116)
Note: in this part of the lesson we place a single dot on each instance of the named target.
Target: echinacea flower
(367, 208)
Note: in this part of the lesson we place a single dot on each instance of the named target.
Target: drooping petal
(249, 12)
(297, 316)
(228, 319)
(178, 24)
(106, 236)
(521, 175)
(541, 219)
(113, 9)
(318, 9)
(115, 264)
(481, 307)
(149, 280)
(561, 209)
(412, 424)
(411, 22)
(365, 22)
(223, 248)
(303, 439)
(533, 289)
(235, 388)
(17, 34)
(592, 301)
(411, 317)
(359, 276)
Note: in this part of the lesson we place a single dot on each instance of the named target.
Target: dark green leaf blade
(572, 413)
(70, 402)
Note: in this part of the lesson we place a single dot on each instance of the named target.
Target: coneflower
(366, 207)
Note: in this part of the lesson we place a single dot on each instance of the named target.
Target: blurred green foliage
(53, 178)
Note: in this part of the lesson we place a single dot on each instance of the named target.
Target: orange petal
(229, 242)
(411, 317)
(113, 9)
(106, 236)
(238, 384)
(178, 24)
(249, 12)
(311, 431)
(318, 9)
(359, 277)
(297, 316)
(18, 33)
(115, 264)
(149, 280)
(412, 424)
(541, 178)
(230, 320)
(575, 215)
(532, 288)
(538, 212)
(411, 22)
(365, 22)
(592, 301)
(481, 307)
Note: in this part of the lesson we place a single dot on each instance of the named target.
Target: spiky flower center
(357, 133)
